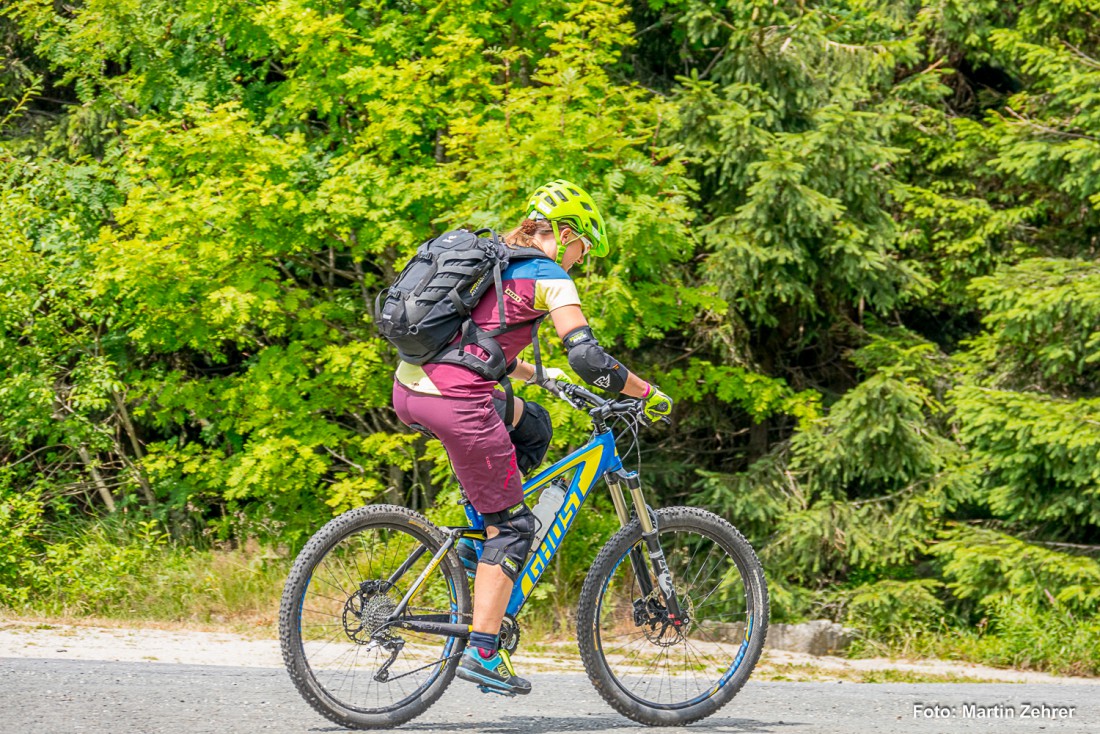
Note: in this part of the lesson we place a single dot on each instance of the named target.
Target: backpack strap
(506, 383)
(429, 258)
(517, 253)
(540, 374)
(498, 282)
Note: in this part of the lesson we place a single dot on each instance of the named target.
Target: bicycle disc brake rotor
(651, 615)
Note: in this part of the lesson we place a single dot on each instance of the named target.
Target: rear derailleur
(393, 645)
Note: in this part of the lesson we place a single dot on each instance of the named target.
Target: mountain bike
(671, 619)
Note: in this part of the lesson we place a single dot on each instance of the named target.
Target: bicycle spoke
(656, 663)
(341, 613)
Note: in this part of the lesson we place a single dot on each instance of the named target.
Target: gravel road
(62, 696)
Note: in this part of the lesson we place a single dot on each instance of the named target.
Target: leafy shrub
(1044, 639)
(987, 567)
(125, 568)
(20, 521)
(1019, 635)
(896, 612)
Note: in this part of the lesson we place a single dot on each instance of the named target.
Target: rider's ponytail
(524, 234)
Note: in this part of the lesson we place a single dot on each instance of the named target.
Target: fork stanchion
(653, 545)
(614, 485)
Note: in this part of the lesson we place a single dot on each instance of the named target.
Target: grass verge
(119, 573)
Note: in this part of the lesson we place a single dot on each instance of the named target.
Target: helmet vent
(565, 202)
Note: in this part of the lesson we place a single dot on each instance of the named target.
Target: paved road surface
(58, 697)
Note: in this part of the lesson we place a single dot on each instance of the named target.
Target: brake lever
(647, 421)
(558, 389)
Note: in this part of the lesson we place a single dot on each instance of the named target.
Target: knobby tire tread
(311, 555)
(591, 656)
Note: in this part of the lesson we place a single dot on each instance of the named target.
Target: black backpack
(431, 300)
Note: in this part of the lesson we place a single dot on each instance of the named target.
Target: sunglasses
(585, 243)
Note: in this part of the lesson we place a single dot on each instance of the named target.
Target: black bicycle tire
(311, 555)
(599, 672)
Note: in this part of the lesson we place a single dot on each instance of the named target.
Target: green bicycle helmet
(562, 201)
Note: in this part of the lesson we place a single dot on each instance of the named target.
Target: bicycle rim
(657, 665)
(341, 613)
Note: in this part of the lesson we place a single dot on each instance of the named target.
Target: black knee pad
(531, 437)
(508, 549)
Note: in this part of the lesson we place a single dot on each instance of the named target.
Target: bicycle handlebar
(597, 407)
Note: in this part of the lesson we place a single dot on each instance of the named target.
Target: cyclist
(464, 410)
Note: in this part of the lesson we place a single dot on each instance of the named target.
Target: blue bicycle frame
(598, 458)
(589, 463)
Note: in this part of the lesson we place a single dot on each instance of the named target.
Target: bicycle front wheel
(643, 665)
(347, 663)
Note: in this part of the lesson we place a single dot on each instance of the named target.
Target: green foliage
(854, 239)
(131, 569)
(992, 569)
(1042, 326)
(791, 132)
(960, 226)
(876, 436)
(896, 611)
(1040, 456)
(21, 519)
(757, 395)
(862, 489)
(1026, 636)
(1020, 635)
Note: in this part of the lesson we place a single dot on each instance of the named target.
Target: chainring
(509, 634)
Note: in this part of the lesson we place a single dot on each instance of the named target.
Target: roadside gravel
(90, 697)
(51, 641)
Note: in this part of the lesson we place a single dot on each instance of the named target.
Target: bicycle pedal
(487, 689)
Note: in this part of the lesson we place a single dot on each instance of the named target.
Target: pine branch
(1051, 130)
(1071, 546)
(1085, 58)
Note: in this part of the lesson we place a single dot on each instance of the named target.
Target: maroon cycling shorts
(476, 440)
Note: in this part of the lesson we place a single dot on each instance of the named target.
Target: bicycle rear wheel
(645, 667)
(347, 664)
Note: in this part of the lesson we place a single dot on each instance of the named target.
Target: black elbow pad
(592, 363)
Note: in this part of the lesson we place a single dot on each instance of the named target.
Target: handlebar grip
(576, 391)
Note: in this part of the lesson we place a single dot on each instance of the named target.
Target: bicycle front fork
(648, 520)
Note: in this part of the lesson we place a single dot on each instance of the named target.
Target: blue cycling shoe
(492, 675)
